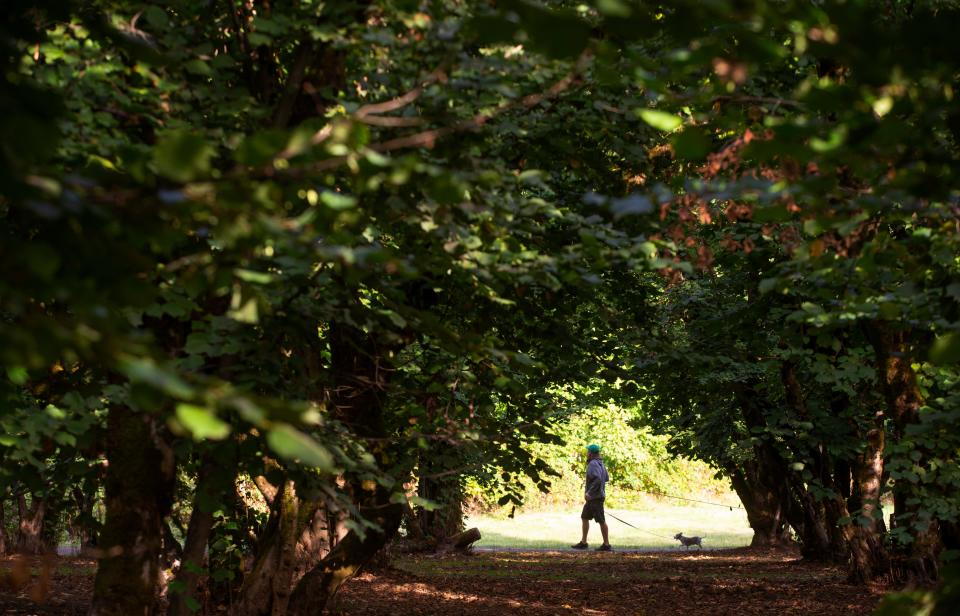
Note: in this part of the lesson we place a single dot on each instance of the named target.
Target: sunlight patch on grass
(721, 528)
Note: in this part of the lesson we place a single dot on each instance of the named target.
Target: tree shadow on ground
(741, 581)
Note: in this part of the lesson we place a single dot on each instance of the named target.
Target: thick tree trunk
(360, 370)
(30, 529)
(297, 536)
(345, 560)
(824, 538)
(916, 562)
(797, 504)
(138, 495)
(764, 506)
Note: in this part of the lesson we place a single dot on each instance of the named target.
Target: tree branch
(291, 88)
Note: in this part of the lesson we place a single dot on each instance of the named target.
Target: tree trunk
(868, 556)
(297, 536)
(183, 600)
(916, 562)
(84, 523)
(4, 539)
(447, 519)
(764, 507)
(170, 551)
(775, 476)
(30, 530)
(360, 370)
(346, 559)
(139, 486)
(809, 520)
(827, 542)
(211, 487)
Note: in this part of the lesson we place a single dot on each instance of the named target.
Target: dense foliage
(275, 279)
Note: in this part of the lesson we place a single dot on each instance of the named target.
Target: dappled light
(739, 582)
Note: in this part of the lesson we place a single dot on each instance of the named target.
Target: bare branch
(391, 121)
(403, 100)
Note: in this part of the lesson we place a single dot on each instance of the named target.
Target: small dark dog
(688, 541)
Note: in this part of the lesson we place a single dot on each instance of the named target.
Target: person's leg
(585, 520)
(603, 531)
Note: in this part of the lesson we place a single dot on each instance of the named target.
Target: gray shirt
(596, 478)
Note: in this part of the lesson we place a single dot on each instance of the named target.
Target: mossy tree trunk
(296, 537)
(139, 487)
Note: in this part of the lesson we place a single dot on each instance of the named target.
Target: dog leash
(639, 529)
(692, 500)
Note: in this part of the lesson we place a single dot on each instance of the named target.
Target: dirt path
(716, 582)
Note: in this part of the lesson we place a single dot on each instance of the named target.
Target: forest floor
(650, 583)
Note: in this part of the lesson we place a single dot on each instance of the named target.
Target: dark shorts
(593, 510)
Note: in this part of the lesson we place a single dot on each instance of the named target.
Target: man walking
(594, 494)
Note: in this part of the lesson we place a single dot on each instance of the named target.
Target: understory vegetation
(641, 468)
(281, 283)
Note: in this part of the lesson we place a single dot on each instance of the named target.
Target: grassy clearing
(722, 528)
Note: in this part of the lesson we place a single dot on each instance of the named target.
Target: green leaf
(293, 444)
(182, 156)
(946, 349)
(146, 371)
(198, 67)
(812, 227)
(768, 284)
(661, 120)
(253, 276)
(18, 375)
(202, 422)
(260, 147)
(692, 144)
(836, 138)
(337, 201)
(65, 438)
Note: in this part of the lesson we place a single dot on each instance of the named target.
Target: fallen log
(462, 541)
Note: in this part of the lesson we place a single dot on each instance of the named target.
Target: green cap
(593, 448)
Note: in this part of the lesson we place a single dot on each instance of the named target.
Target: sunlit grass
(656, 526)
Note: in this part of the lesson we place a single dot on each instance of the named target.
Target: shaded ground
(741, 581)
(45, 586)
(719, 582)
